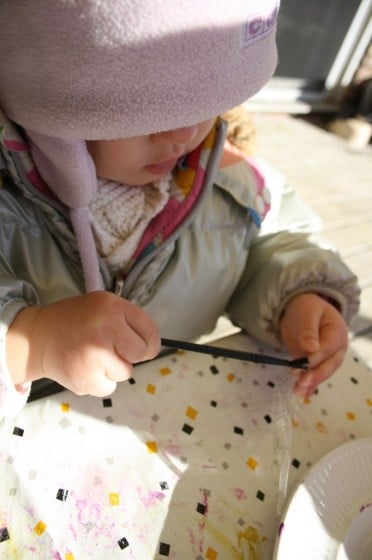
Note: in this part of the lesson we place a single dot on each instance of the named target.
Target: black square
(268, 418)
(214, 370)
(131, 381)
(353, 380)
(107, 403)
(201, 508)
(260, 495)
(164, 549)
(18, 431)
(62, 495)
(4, 534)
(238, 430)
(123, 543)
(271, 383)
(187, 429)
(213, 403)
(296, 463)
(164, 485)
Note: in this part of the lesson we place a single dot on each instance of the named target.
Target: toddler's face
(143, 159)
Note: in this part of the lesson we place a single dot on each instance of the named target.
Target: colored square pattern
(123, 543)
(4, 534)
(320, 426)
(152, 447)
(191, 412)
(40, 528)
(201, 508)
(252, 463)
(18, 431)
(114, 499)
(191, 458)
(260, 495)
(62, 495)
(164, 549)
(187, 429)
(211, 554)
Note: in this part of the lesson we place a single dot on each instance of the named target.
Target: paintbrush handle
(300, 363)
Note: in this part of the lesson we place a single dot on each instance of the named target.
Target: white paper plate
(329, 515)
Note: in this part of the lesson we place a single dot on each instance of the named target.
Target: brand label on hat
(260, 24)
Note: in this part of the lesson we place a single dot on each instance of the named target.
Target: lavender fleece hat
(98, 69)
(76, 70)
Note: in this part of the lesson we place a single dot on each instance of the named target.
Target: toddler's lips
(161, 168)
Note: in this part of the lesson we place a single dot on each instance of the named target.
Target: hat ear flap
(66, 166)
(69, 171)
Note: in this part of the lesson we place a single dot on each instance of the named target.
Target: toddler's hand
(312, 327)
(87, 343)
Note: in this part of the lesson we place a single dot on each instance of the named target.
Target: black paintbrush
(299, 363)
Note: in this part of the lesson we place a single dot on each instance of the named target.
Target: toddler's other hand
(88, 343)
(313, 327)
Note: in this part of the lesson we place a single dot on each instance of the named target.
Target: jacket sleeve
(280, 266)
(12, 398)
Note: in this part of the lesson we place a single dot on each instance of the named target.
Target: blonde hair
(241, 130)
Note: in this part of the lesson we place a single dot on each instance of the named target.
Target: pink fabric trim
(15, 146)
(175, 211)
(36, 180)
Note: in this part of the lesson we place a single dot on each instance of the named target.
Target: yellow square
(191, 412)
(151, 446)
(40, 528)
(369, 402)
(114, 499)
(151, 388)
(252, 463)
(69, 556)
(230, 377)
(65, 407)
(165, 371)
(294, 422)
(350, 415)
(211, 554)
(320, 427)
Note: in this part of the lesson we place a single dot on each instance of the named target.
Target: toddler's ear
(66, 166)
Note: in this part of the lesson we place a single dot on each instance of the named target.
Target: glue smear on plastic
(285, 407)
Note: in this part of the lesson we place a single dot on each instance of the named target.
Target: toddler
(119, 220)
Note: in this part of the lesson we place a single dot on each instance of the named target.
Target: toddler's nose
(177, 136)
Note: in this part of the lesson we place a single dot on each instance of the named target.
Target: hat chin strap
(69, 171)
(87, 248)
